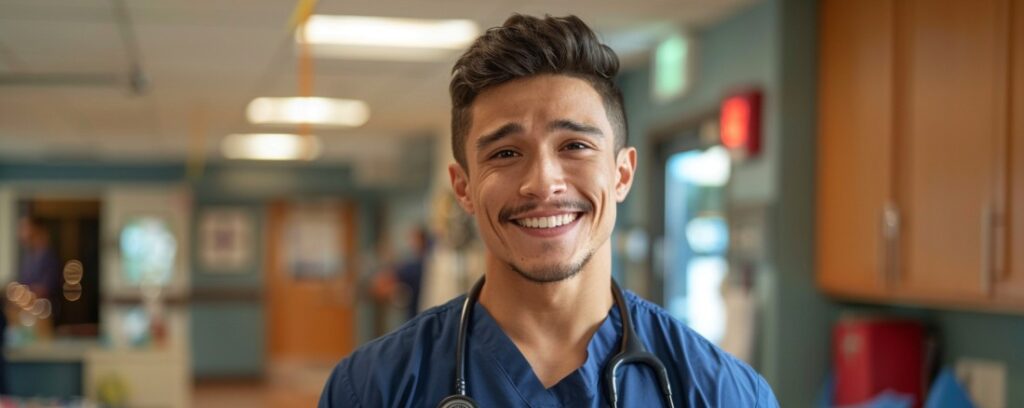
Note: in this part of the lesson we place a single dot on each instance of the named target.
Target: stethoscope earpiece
(457, 401)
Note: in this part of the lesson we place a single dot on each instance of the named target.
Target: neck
(549, 322)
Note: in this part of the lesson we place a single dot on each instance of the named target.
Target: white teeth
(547, 222)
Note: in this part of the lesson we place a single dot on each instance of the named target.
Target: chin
(553, 272)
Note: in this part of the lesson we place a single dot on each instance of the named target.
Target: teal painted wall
(228, 339)
(737, 52)
(83, 171)
(797, 349)
(986, 336)
(229, 335)
(44, 380)
(771, 46)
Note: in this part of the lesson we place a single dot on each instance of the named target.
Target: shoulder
(379, 371)
(712, 373)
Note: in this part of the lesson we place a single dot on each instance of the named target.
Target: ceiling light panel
(380, 38)
(310, 110)
(271, 146)
(390, 32)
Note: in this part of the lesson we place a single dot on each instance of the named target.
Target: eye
(576, 146)
(504, 154)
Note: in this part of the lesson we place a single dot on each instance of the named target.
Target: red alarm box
(740, 124)
(875, 355)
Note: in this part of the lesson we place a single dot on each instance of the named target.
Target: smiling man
(539, 138)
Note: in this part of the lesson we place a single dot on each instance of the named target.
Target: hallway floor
(287, 384)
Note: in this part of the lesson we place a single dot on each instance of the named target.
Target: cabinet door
(949, 100)
(1011, 284)
(854, 139)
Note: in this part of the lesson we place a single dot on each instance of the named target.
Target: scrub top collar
(490, 345)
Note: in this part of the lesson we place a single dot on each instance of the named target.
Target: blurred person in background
(539, 138)
(38, 265)
(403, 284)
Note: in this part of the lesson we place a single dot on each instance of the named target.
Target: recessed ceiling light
(311, 110)
(386, 38)
(271, 146)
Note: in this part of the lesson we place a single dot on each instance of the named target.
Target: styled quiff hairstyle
(526, 46)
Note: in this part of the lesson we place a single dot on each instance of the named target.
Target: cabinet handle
(883, 246)
(991, 247)
(894, 244)
(999, 261)
(891, 239)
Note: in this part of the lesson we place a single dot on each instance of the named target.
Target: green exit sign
(671, 77)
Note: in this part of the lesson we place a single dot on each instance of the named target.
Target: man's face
(543, 176)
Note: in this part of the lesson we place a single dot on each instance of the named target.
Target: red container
(874, 355)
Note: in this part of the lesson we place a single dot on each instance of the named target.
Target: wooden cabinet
(916, 173)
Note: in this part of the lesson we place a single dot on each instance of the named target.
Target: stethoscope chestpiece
(457, 401)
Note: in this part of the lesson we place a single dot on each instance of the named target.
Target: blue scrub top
(415, 366)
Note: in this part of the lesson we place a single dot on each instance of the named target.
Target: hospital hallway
(213, 203)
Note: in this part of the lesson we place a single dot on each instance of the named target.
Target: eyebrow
(496, 135)
(565, 124)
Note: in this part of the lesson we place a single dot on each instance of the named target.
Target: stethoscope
(630, 351)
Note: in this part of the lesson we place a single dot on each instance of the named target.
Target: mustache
(507, 213)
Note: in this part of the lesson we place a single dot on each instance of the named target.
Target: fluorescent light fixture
(378, 38)
(271, 146)
(311, 110)
(390, 32)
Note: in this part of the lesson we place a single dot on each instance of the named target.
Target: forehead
(538, 98)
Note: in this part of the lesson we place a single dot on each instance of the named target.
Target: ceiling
(206, 59)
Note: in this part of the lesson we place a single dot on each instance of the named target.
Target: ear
(460, 185)
(625, 166)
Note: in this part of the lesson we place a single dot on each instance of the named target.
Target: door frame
(680, 136)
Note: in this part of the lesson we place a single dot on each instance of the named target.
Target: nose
(545, 178)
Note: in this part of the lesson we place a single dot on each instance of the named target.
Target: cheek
(598, 182)
(487, 195)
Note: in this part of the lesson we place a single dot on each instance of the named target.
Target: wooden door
(1011, 284)
(949, 101)
(854, 146)
(311, 316)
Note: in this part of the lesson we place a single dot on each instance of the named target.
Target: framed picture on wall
(226, 240)
(314, 232)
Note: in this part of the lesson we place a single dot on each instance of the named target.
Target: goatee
(553, 273)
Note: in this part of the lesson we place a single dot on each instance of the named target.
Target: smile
(547, 222)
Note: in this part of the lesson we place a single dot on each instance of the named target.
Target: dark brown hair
(525, 46)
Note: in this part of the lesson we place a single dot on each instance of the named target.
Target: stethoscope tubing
(632, 350)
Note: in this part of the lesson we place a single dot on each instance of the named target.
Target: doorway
(54, 233)
(691, 225)
(311, 260)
